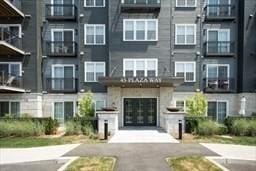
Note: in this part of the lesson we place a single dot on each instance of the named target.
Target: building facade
(140, 56)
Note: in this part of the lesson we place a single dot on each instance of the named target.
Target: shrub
(85, 106)
(196, 105)
(240, 127)
(252, 128)
(191, 123)
(73, 128)
(20, 128)
(209, 127)
(50, 126)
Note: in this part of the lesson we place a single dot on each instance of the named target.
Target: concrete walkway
(229, 151)
(141, 157)
(19, 155)
(142, 135)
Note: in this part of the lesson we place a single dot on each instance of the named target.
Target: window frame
(186, 4)
(185, 25)
(13, 25)
(94, 72)
(185, 71)
(61, 30)
(184, 106)
(145, 60)
(94, 34)
(134, 30)
(217, 101)
(63, 66)
(63, 107)
(16, 63)
(9, 105)
(94, 4)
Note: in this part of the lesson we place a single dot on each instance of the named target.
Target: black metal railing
(219, 84)
(220, 47)
(65, 85)
(220, 11)
(145, 2)
(61, 11)
(11, 38)
(61, 48)
(10, 80)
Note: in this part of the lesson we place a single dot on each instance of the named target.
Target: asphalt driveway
(138, 157)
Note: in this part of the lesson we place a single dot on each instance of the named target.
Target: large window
(218, 40)
(93, 70)
(186, 70)
(217, 110)
(185, 34)
(62, 41)
(10, 69)
(11, 107)
(63, 111)
(94, 3)
(94, 34)
(185, 3)
(140, 67)
(140, 30)
(63, 77)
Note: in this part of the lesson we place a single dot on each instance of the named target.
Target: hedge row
(27, 126)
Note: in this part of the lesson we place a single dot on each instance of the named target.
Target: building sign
(140, 80)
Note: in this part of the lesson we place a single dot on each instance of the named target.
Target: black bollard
(106, 130)
(180, 129)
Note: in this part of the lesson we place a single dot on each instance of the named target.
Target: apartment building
(138, 55)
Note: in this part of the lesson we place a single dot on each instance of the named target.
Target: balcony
(220, 12)
(61, 12)
(11, 9)
(61, 85)
(10, 44)
(219, 48)
(10, 83)
(61, 49)
(219, 85)
(141, 6)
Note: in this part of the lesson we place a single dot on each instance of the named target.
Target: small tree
(196, 105)
(85, 105)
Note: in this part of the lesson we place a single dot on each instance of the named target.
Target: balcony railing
(220, 48)
(10, 80)
(219, 85)
(140, 5)
(220, 12)
(61, 85)
(11, 38)
(61, 12)
(63, 48)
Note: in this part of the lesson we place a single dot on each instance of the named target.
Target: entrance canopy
(141, 82)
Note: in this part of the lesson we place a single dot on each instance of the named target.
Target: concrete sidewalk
(144, 135)
(230, 151)
(20, 155)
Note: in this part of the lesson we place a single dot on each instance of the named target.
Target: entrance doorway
(140, 111)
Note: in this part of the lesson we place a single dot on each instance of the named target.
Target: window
(93, 70)
(218, 7)
(181, 105)
(140, 30)
(185, 34)
(62, 41)
(63, 111)
(218, 40)
(217, 110)
(94, 34)
(10, 69)
(94, 3)
(185, 3)
(186, 70)
(63, 77)
(99, 104)
(62, 8)
(140, 67)
(217, 76)
(12, 108)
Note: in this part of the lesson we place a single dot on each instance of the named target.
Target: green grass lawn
(191, 163)
(20, 142)
(92, 164)
(241, 140)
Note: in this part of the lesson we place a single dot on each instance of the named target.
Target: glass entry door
(140, 111)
